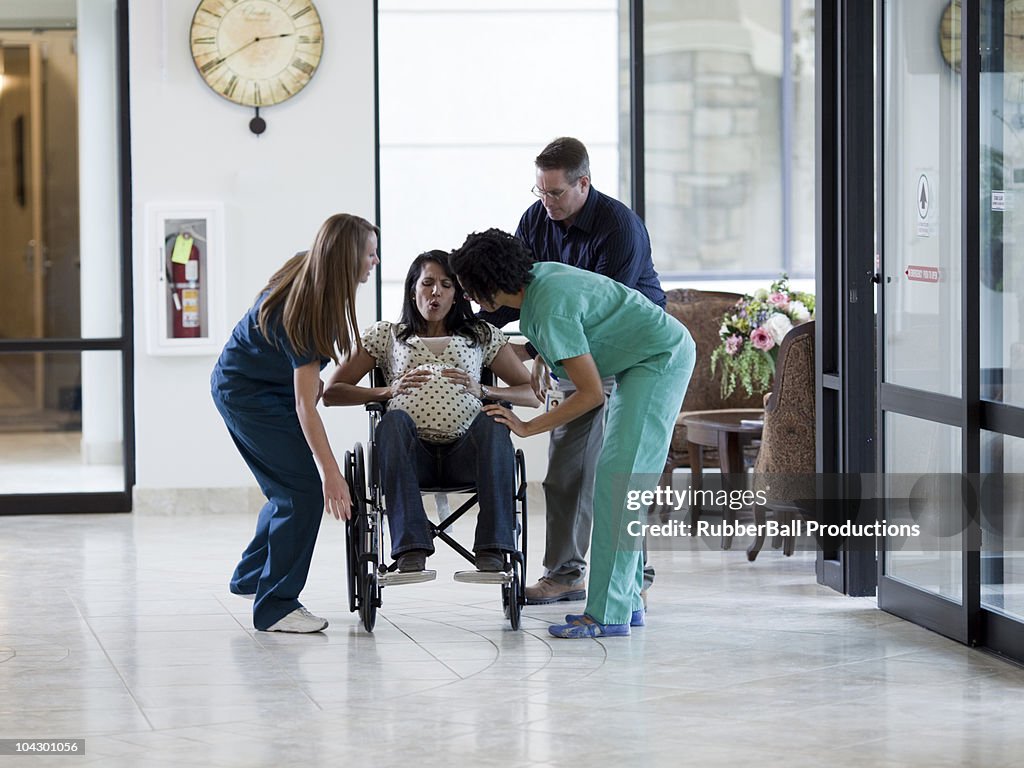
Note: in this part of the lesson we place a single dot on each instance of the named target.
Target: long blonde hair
(317, 290)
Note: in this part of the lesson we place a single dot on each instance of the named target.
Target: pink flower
(733, 344)
(779, 299)
(762, 339)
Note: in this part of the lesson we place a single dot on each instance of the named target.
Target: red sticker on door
(922, 274)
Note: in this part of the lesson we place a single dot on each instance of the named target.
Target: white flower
(798, 311)
(761, 294)
(778, 325)
(724, 330)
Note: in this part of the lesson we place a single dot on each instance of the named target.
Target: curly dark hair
(492, 261)
(460, 320)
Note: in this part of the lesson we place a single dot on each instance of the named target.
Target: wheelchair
(368, 569)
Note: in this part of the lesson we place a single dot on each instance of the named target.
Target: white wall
(190, 145)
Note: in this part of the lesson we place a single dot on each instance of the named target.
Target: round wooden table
(727, 431)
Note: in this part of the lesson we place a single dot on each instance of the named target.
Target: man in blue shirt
(574, 224)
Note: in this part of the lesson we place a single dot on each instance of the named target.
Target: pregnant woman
(434, 433)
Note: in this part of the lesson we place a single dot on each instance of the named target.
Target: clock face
(256, 52)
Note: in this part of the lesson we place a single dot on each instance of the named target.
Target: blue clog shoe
(586, 627)
(636, 619)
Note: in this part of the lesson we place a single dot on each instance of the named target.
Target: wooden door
(21, 221)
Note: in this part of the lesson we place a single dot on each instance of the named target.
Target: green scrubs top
(568, 312)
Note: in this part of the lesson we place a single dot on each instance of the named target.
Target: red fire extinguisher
(184, 286)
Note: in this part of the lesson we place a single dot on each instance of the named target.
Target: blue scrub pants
(275, 564)
(641, 416)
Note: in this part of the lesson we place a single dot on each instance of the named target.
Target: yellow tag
(182, 249)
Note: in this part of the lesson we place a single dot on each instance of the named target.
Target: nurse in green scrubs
(586, 326)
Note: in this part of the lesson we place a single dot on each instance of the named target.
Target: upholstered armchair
(785, 465)
(701, 312)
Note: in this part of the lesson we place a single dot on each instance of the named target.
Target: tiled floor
(120, 630)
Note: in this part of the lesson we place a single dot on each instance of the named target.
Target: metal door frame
(960, 621)
(114, 501)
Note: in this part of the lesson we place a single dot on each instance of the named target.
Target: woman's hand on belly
(409, 381)
(463, 379)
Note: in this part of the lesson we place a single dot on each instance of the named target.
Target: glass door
(1001, 325)
(923, 421)
(65, 324)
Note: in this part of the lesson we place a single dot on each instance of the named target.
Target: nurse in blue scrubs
(266, 385)
(587, 326)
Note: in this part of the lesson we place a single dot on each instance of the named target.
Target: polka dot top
(442, 411)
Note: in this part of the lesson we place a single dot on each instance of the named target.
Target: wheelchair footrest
(483, 577)
(397, 578)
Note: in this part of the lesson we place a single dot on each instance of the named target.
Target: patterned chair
(701, 312)
(785, 464)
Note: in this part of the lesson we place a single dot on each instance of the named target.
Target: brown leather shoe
(413, 560)
(547, 590)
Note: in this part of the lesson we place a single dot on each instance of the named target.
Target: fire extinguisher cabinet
(185, 276)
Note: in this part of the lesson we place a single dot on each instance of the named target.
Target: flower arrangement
(752, 331)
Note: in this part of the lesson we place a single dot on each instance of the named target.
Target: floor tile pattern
(119, 629)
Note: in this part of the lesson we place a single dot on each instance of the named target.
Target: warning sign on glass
(922, 274)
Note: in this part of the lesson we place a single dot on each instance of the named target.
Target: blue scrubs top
(256, 371)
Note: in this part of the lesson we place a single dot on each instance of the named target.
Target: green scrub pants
(641, 416)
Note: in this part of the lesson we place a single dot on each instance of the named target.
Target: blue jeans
(483, 457)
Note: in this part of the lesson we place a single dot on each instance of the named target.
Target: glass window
(922, 465)
(728, 137)
(802, 148)
(470, 93)
(1001, 116)
(62, 415)
(921, 146)
(61, 422)
(1002, 521)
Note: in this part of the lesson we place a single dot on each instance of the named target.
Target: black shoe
(412, 561)
(490, 561)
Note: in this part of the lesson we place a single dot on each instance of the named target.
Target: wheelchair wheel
(521, 503)
(364, 591)
(512, 596)
(352, 532)
(371, 599)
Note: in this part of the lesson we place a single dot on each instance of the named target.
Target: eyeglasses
(553, 194)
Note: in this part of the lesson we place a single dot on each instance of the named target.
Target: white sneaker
(300, 620)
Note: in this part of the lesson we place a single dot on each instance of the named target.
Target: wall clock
(949, 35)
(256, 52)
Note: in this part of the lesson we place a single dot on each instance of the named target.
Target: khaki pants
(573, 452)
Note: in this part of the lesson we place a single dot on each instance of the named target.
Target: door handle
(30, 256)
